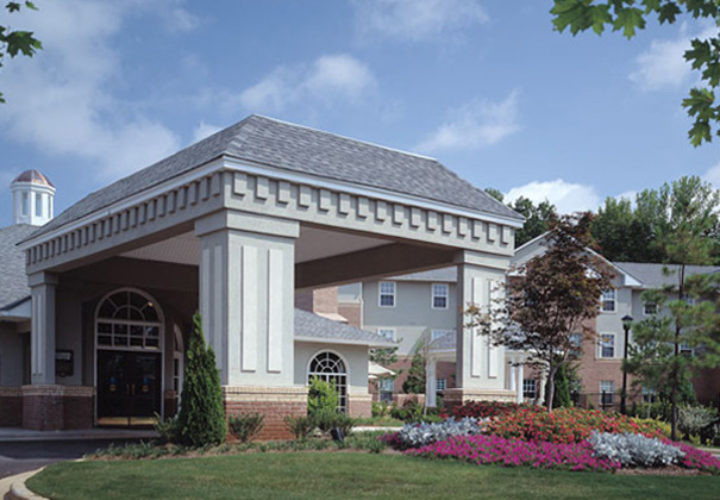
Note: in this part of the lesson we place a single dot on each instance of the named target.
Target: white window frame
(649, 395)
(600, 345)
(386, 329)
(446, 296)
(440, 384)
(381, 294)
(603, 300)
(527, 394)
(645, 308)
(39, 205)
(611, 392)
(25, 201)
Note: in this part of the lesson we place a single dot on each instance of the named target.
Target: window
(650, 308)
(388, 333)
(25, 204)
(440, 296)
(576, 342)
(608, 301)
(38, 205)
(127, 319)
(686, 349)
(441, 384)
(607, 391)
(529, 388)
(387, 294)
(329, 367)
(387, 388)
(688, 299)
(648, 395)
(607, 345)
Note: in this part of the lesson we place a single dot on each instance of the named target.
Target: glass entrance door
(128, 387)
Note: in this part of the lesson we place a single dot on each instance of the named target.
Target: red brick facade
(275, 403)
(11, 407)
(55, 407)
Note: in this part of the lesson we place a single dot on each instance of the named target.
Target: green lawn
(346, 475)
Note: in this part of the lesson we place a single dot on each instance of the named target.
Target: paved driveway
(21, 456)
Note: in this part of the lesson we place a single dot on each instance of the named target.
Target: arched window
(128, 319)
(330, 367)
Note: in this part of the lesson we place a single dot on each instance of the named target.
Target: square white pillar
(42, 339)
(521, 383)
(247, 283)
(431, 383)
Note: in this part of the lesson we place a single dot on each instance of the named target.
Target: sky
(485, 86)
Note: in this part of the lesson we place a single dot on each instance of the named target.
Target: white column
(521, 378)
(513, 385)
(247, 283)
(478, 362)
(431, 383)
(42, 339)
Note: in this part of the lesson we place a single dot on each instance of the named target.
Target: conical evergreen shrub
(202, 416)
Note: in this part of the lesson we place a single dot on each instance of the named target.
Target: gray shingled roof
(296, 148)
(653, 276)
(13, 280)
(447, 274)
(308, 324)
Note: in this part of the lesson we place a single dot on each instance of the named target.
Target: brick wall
(11, 408)
(352, 312)
(359, 405)
(54, 407)
(275, 403)
(318, 300)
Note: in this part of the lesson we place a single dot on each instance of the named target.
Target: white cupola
(33, 198)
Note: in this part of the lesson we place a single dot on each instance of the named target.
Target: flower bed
(485, 409)
(565, 425)
(422, 433)
(484, 449)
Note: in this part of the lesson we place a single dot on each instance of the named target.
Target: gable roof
(652, 275)
(13, 280)
(309, 326)
(266, 141)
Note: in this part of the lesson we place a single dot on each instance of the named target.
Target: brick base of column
(360, 405)
(55, 407)
(275, 403)
(11, 407)
(459, 396)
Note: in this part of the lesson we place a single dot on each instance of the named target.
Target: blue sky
(485, 86)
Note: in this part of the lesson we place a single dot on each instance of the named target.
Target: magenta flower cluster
(492, 449)
(698, 459)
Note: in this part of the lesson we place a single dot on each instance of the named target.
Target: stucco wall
(355, 356)
(412, 314)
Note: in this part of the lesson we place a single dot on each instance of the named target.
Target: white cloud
(415, 20)
(663, 64)
(713, 176)
(204, 130)
(474, 125)
(328, 78)
(567, 197)
(61, 101)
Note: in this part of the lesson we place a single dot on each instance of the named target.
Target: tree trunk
(551, 387)
(675, 382)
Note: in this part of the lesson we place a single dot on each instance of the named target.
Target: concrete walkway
(19, 479)
(15, 434)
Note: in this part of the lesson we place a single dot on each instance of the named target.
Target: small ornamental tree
(202, 417)
(415, 382)
(549, 300)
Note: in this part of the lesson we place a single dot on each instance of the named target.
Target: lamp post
(627, 322)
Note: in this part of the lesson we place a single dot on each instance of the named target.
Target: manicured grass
(346, 475)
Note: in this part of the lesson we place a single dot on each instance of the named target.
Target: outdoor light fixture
(627, 323)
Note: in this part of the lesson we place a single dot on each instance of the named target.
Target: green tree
(549, 299)
(322, 396)
(537, 218)
(415, 382)
(564, 377)
(202, 417)
(14, 42)
(622, 234)
(687, 235)
(495, 193)
(632, 15)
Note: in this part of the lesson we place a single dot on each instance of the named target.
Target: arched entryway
(128, 358)
(330, 367)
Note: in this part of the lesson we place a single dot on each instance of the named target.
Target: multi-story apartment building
(420, 308)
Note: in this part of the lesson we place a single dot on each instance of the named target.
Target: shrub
(483, 449)
(485, 409)
(422, 433)
(201, 420)
(415, 381)
(696, 420)
(658, 410)
(167, 428)
(634, 449)
(301, 427)
(565, 425)
(328, 419)
(244, 427)
(322, 396)
(380, 409)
